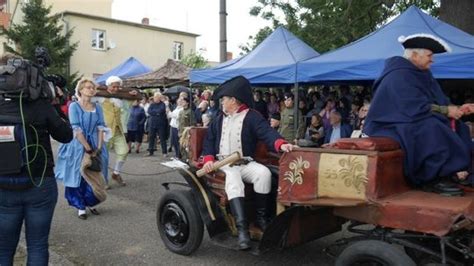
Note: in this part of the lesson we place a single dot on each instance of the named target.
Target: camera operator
(28, 193)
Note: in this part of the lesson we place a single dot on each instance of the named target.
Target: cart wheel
(373, 252)
(179, 222)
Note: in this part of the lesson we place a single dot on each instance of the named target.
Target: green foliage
(39, 28)
(195, 60)
(326, 25)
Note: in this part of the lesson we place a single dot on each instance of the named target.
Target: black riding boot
(261, 209)
(238, 210)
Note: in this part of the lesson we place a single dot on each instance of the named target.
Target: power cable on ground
(148, 174)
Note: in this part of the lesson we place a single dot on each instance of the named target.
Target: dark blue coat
(401, 110)
(137, 118)
(346, 131)
(157, 113)
(254, 128)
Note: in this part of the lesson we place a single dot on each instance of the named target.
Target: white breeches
(254, 173)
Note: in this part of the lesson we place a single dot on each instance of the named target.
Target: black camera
(42, 57)
(26, 79)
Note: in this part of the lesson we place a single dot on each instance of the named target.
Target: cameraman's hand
(59, 92)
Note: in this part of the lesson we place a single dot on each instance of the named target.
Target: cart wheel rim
(175, 224)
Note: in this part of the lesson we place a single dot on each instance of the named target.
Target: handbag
(96, 163)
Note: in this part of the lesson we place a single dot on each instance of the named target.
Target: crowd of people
(325, 114)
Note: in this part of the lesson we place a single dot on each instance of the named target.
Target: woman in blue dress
(87, 121)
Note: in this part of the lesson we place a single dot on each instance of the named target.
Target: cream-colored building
(104, 42)
(102, 8)
(92, 7)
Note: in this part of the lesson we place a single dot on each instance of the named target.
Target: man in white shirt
(173, 116)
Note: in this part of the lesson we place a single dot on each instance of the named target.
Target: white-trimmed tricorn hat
(424, 41)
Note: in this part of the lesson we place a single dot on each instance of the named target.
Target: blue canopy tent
(272, 62)
(131, 67)
(363, 60)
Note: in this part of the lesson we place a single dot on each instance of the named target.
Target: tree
(458, 13)
(195, 60)
(41, 29)
(326, 25)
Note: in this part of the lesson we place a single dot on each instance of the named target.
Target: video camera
(21, 77)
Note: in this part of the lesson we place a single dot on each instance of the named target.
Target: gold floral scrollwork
(353, 173)
(342, 176)
(295, 175)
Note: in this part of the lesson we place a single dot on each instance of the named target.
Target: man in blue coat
(338, 129)
(410, 107)
(239, 129)
(157, 124)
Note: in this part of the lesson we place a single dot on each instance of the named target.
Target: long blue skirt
(81, 197)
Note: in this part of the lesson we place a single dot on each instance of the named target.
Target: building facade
(104, 42)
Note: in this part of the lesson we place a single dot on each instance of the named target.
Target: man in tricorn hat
(410, 107)
(239, 129)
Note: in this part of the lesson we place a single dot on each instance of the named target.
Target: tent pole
(295, 110)
(191, 106)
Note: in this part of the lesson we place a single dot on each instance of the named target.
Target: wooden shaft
(234, 157)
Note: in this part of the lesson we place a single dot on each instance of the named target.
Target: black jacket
(255, 128)
(43, 117)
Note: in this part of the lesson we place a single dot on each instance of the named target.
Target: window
(98, 39)
(178, 48)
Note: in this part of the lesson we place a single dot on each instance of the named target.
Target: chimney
(145, 21)
(229, 56)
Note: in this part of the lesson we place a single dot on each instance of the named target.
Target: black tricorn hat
(238, 87)
(424, 41)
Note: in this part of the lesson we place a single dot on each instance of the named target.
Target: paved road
(125, 233)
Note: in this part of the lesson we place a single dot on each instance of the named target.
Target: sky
(196, 16)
